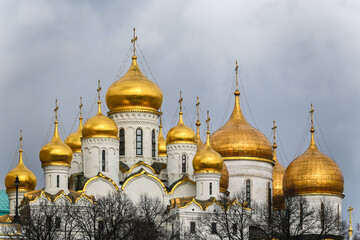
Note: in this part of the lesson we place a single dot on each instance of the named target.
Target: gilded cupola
(26, 177)
(74, 139)
(207, 159)
(199, 143)
(277, 176)
(313, 172)
(180, 133)
(99, 125)
(161, 142)
(56, 152)
(134, 91)
(238, 140)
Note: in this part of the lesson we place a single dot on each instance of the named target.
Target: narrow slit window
(103, 161)
(139, 142)
(153, 143)
(183, 164)
(57, 181)
(248, 193)
(57, 222)
(210, 188)
(122, 142)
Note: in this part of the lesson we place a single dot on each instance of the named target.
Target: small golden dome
(208, 160)
(56, 152)
(313, 173)
(237, 139)
(134, 91)
(161, 143)
(27, 178)
(99, 126)
(180, 133)
(224, 180)
(74, 139)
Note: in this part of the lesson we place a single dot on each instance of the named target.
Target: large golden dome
(180, 133)
(27, 178)
(134, 91)
(56, 152)
(208, 160)
(74, 139)
(237, 139)
(224, 180)
(161, 143)
(313, 173)
(99, 126)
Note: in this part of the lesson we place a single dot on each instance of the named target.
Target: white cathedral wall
(100, 187)
(203, 181)
(259, 173)
(130, 121)
(76, 163)
(51, 174)
(92, 157)
(175, 152)
(12, 200)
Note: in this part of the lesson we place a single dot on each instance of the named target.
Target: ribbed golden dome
(27, 178)
(134, 91)
(74, 139)
(161, 143)
(313, 173)
(208, 160)
(56, 152)
(224, 180)
(237, 139)
(180, 133)
(99, 126)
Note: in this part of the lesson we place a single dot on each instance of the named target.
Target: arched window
(57, 181)
(183, 163)
(139, 142)
(103, 165)
(248, 193)
(210, 188)
(153, 143)
(122, 142)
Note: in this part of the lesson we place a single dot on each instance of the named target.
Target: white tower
(181, 149)
(55, 159)
(100, 146)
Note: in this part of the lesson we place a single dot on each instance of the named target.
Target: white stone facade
(56, 178)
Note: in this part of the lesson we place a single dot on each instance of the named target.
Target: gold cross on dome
(99, 89)
(180, 102)
(197, 106)
(80, 106)
(133, 41)
(274, 129)
(208, 121)
(20, 139)
(56, 110)
(236, 71)
(312, 116)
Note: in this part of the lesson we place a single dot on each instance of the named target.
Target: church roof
(4, 203)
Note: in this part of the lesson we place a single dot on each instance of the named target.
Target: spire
(312, 130)
(99, 101)
(208, 130)
(20, 150)
(56, 109)
(350, 227)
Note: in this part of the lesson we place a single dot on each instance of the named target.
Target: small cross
(312, 116)
(197, 106)
(133, 41)
(56, 110)
(20, 139)
(180, 102)
(236, 70)
(99, 89)
(274, 128)
(80, 106)
(208, 121)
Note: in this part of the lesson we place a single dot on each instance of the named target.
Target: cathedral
(125, 150)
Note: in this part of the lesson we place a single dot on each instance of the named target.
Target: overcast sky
(290, 53)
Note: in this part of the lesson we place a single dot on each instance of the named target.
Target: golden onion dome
(208, 160)
(237, 139)
(26, 177)
(161, 143)
(56, 152)
(313, 173)
(74, 139)
(180, 133)
(99, 126)
(134, 91)
(224, 180)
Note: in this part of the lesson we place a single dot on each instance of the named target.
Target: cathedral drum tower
(134, 102)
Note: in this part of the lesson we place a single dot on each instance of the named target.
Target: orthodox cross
(236, 71)
(133, 41)
(274, 129)
(56, 110)
(20, 139)
(197, 106)
(208, 121)
(312, 116)
(99, 89)
(161, 113)
(180, 102)
(80, 107)
(350, 228)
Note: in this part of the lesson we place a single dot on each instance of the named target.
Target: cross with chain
(20, 139)
(312, 116)
(180, 102)
(56, 110)
(274, 128)
(134, 40)
(80, 106)
(208, 121)
(98, 89)
(236, 71)
(197, 106)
